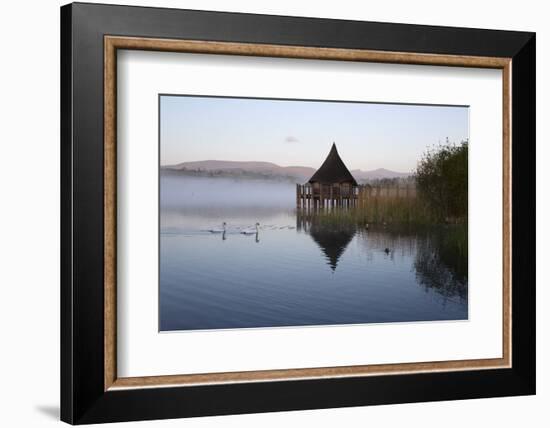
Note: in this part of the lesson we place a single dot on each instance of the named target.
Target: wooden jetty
(326, 196)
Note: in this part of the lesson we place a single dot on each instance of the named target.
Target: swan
(251, 231)
(218, 230)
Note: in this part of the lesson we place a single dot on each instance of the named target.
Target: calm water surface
(296, 271)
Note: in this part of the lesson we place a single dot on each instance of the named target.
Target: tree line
(442, 181)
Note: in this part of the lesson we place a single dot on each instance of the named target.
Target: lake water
(296, 271)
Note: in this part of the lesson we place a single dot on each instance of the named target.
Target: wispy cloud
(291, 139)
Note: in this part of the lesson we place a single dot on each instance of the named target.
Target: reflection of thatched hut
(332, 238)
(331, 185)
(333, 243)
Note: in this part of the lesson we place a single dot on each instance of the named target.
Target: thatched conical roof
(333, 170)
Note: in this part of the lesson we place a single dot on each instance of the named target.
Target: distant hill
(254, 169)
(242, 168)
(378, 174)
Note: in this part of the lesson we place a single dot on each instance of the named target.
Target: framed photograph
(265, 213)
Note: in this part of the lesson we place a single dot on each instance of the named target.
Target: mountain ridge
(272, 169)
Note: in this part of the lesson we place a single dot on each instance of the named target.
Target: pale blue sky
(286, 132)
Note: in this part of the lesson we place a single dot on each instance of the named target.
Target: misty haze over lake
(295, 271)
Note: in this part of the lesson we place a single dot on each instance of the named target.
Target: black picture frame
(83, 398)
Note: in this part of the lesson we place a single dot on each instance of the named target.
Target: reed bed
(379, 206)
(392, 206)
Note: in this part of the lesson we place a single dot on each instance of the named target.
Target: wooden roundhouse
(332, 185)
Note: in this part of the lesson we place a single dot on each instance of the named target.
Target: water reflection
(439, 253)
(442, 261)
(332, 239)
(299, 269)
